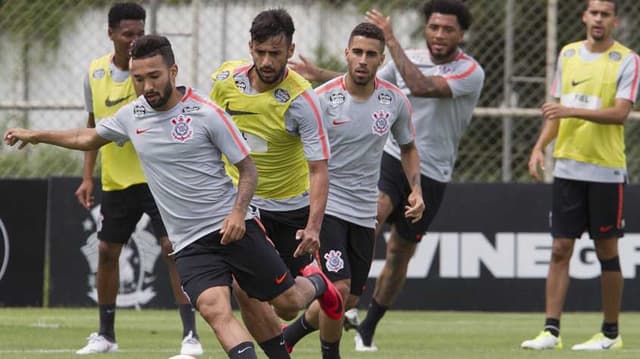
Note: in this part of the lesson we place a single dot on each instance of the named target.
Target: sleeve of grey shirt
(556, 85)
(226, 136)
(388, 73)
(304, 118)
(628, 78)
(88, 97)
(462, 83)
(402, 129)
(114, 128)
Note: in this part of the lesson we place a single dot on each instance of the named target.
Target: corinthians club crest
(137, 260)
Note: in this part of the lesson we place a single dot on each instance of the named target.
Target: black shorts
(346, 251)
(121, 210)
(281, 229)
(393, 183)
(252, 260)
(581, 205)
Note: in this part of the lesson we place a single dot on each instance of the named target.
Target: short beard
(163, 99)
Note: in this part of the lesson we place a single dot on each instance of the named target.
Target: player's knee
(344, 287)
(561, 251)
(214, 314)
(610, 265)
(399, 254)
(109, 253)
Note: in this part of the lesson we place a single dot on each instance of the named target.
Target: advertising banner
(23, 217)
(489, 249)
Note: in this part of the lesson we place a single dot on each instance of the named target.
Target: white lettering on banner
(4, 249)
(510, 255)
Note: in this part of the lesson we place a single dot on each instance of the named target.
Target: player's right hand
(536, 164)
(13, 135)
(84, 193)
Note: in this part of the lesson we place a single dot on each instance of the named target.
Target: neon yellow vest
(279, 156)
(120, 165)
(592, 85)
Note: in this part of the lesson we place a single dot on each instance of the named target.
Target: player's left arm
(226, 136)
(233, 227)
(304, 117)
(626, 95)
(404, 134)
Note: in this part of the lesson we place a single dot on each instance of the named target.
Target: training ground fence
(46, 46)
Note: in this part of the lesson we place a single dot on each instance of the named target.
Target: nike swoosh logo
(108, 102)
(243, 350)
(576, 83)
(605, 228)
(237, 112)
(141, 131)
(280, 279)
(338, 123)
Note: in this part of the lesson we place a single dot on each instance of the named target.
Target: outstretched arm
(411, 166)
(85, 139)
(419, 84)
(311, 71)
(233, 227)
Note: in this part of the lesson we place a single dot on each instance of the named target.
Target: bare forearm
(419, 84)
(84, 139)
(547, 134)
(319, 181)
(247, 183)
(90, 158)
(411, 165)
(606, 116)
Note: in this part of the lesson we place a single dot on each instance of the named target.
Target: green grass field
(57, 333)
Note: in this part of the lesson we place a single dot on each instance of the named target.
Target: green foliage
(40, 162)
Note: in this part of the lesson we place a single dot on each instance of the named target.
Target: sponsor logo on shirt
(182, 131)
(334, 261)
(380, 122)
(139, 111)
(336, 98)
(188, 109)
(615, 56)
(385, 98)
(444, 69)
(98, 74)
(223, 75)
(281, 95)
(241, 85)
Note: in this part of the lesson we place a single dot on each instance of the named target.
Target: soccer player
(596, 83)
(360, 111)
(181, 137)
(278, 113)
(125, 194)
(443, 85)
